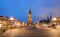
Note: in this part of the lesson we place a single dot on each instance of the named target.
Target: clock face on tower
(29, 15)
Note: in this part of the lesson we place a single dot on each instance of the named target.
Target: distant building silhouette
(48, 20)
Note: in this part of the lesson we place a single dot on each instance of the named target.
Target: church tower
(50, 17)
(29, 18)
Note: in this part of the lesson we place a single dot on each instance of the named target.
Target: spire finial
(29, 10)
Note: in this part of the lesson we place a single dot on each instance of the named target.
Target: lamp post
(0, 25)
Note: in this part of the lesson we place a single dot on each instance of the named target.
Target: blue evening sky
(19, 8)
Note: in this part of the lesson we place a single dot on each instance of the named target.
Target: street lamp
(0, 25)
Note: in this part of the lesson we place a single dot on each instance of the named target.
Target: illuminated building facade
(56, 21)
(8, 23)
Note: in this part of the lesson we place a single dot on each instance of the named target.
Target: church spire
(50, 17)
(30, 11)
